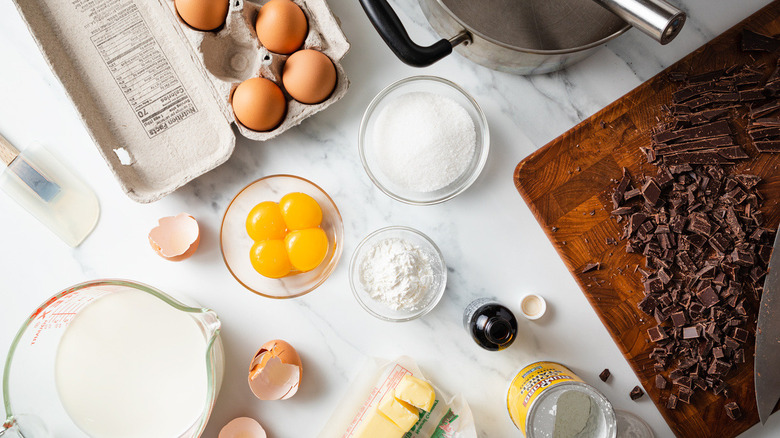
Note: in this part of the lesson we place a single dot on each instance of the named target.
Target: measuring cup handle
(390, 28)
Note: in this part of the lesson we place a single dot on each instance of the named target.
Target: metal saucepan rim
(473, 31)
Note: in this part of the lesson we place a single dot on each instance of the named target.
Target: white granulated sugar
(424, 141)
(398, 274)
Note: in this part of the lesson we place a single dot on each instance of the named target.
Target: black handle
(390, 28)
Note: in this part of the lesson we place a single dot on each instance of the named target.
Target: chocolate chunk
(604, 375)
(756, 42)
(733, 411)
(672, 402)
(657, 333)
(691, 332)
(733, 153)
(679, 319)
(660, 382)
(636, 393)
(630, 194)
(651, 191)
(685, 395)
(621, 211)
(636, 221)
(591, 267)
(767, 146)
(708, 297)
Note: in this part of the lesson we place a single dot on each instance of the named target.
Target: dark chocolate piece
(733, 411)
(604, 375)
(672, 402)
(755, 42)
(591, 267)
(651, 191)
(636, 393)
(660, 382)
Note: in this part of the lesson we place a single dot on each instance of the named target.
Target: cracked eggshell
(175, 238)
(275, 371)
(242, 427)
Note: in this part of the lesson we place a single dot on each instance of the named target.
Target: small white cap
(533, 306)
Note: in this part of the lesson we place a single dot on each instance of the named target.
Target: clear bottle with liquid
(491, 325)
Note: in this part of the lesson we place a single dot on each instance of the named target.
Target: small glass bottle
(491, 325)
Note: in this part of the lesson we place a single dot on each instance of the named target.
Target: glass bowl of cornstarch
(423, 140)
(397, 274)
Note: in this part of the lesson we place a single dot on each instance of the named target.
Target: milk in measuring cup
(129, 365)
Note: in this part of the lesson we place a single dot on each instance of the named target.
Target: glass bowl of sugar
(397, 274)
(423, 140)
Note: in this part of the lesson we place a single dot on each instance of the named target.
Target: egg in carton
(153, 94)
(233, 53)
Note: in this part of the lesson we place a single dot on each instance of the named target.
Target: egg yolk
(269, 258)
(306, 248)
(300, 211)
(265, 222)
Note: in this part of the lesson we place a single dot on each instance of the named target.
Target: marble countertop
(491, 242)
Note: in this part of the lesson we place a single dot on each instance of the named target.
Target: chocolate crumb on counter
(605, 375)
(660, 382)
(591, 267)
(733, 411)
(636, 393)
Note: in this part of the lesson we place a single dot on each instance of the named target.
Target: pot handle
(390, 28)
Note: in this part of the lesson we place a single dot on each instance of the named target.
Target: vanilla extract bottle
(491, 325)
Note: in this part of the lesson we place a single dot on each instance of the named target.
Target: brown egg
(259, 104)
(281, 26)
(309, 76)
(203, 15)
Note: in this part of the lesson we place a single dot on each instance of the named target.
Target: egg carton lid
(140, 88)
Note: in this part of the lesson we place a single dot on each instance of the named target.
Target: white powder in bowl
(424, 141)
(398, 274)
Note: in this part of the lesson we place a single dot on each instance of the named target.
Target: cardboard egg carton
(154, 94)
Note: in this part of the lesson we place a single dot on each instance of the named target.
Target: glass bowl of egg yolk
(281, 236)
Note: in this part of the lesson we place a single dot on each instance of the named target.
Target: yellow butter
(401, 413)
(416, 392)
(377, 425)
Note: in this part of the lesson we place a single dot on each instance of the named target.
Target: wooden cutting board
(567, 185)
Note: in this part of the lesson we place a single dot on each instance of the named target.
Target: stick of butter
(401, 413)
(377, 425)
(416, 392)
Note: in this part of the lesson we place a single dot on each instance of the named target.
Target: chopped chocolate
(770, 146)
(636, 393)
(756, 42)
(733, 411)
(660, 382)
(657, 333)
(679, 319)
(591, 267)
(651, 191)
(672, 402)
(708, 297)
(691, 332)
(604, 375)
(684, 394)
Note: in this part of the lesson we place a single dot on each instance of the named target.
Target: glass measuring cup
(33, 408)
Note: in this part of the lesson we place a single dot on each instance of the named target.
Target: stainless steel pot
(522, 36)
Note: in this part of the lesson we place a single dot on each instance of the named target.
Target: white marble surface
(488, 236)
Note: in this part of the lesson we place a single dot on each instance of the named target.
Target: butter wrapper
(450, 416)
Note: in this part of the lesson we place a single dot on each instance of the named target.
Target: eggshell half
(175, 238)
(275, 371)
(242, 427)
